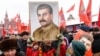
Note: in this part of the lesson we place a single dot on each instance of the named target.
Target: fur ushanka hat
(8, 44)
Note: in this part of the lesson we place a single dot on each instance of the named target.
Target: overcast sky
(21, 7)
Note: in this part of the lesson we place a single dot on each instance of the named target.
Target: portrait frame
(34, 23)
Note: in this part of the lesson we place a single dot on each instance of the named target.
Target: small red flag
(89, 12)
(98, 23)
(62, 21)
(3, 32)
(71, 8)
(11, 30)
(82, 13)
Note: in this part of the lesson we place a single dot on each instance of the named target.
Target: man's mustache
(42, 20)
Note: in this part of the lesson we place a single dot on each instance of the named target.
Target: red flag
(89, 12)
(11, 30)
(62, 21)
(18, 27)
(24, 28)
(3, 31)
(98, 23)
(18, 23)
(71, 8)
(82, 13)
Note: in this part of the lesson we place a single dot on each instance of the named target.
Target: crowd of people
(50, 40)
(85, 44)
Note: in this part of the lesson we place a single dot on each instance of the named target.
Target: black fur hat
(24, 33)
(8, 44)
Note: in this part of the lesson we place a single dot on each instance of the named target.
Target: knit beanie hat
(24, 33)
(85, 28)
(79, 48)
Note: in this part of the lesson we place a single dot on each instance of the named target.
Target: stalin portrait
(46, 35)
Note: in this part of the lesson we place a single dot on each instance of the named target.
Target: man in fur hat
(45, 37)
(84, 29)
(87, 40)
(9, 48)
(22, 42)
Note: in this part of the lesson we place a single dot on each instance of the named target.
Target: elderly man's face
(86, 42)
(45, 18)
